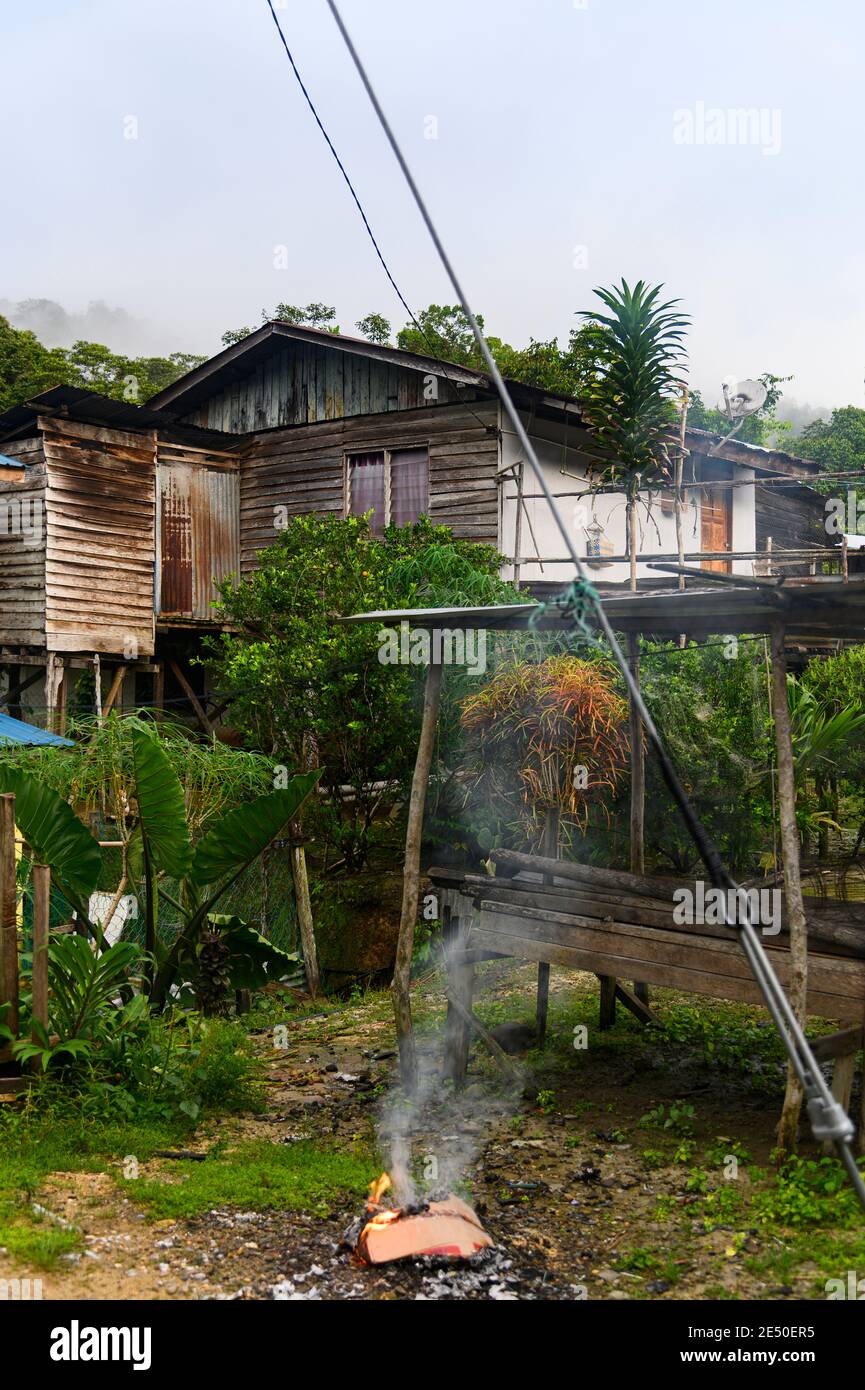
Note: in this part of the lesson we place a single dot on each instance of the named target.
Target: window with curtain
(409, 485)
(366, 488)
(395, 485)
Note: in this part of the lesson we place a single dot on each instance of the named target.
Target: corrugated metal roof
(77, 403)
(15, 731)
(832, 609)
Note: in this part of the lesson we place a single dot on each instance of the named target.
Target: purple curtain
(366, 488)
(409, 485)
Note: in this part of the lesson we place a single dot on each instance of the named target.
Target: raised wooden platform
(586, 922)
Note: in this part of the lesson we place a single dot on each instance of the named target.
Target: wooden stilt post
(304, 910)
(41, 914)
(18, 683)
(638, 787)
(191, 696)
(159, 688)
(55, 692)
(518, 522)
(550, 850)
(458, 1035)
(114, 689)
(798, 988)
(97, 685)
(400, 986)
(8, 915)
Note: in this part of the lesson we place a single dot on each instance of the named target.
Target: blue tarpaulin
(15, 731)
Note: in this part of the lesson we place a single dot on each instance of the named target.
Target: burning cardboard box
(448, 1228)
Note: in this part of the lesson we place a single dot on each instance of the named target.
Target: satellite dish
(741, 398)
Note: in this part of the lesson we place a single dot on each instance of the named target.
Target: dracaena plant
(204, 872)
(628, 405)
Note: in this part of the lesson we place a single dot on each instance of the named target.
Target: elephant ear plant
(56, 837)
(208, 942)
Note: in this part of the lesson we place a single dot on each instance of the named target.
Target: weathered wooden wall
(304, 383)
(303, 470)
(793, 517)
(198, 528)
(100, 511)
(22, 549)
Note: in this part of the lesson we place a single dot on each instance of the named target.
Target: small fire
(377, 1189)
(448, 1228)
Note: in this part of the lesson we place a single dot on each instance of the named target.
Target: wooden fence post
(303, 904)
(41, 915)
(798, 988)
(400, 985)
(8, 914)
(550, 850)
(638, 791)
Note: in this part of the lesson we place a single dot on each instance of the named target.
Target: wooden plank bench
(621, 936)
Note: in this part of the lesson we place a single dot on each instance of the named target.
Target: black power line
(359, 205)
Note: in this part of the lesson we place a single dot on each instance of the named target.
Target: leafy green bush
(809, 1192)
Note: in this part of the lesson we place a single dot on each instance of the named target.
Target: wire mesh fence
(263, 897)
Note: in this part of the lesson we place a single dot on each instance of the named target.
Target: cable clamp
(830, 1121)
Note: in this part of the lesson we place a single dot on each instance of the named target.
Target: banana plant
(206, 871)
(56, 837)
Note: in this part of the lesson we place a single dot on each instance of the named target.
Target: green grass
(824, 1254)
(33, 1240)
(83, 1128)
(257, 1176)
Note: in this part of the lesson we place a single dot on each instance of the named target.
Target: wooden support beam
(55, 693)
(192, 698)
(8, 915)
(550, 847)
(159, 688)
(839, 1044)
(635, 1003)
(798, 987)
(498, 1053)
(400, 985)
(11, 697)
(843, 1073)
(461, 983)
(638, 787)
(114, 690)
(97, 684)
(512, 861)
(607, 1009)
(303, 903)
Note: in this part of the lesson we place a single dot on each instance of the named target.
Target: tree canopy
(27, 368)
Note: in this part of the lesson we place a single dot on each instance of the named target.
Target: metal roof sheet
(17, 732)
(77, 403)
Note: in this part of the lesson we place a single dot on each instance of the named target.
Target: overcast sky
(573, 145)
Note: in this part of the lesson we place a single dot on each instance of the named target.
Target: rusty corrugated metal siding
(22, 549)
(198, 529)
(100, 514)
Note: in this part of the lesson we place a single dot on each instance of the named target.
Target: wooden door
(716, 524)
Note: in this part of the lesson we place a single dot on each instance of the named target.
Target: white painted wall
(565, 471)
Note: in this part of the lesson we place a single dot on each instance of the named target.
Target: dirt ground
(581, 1200)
